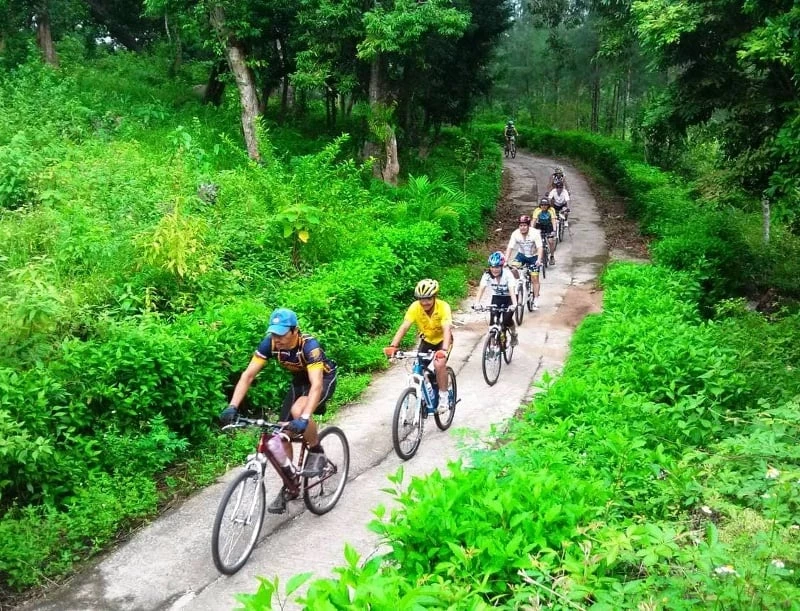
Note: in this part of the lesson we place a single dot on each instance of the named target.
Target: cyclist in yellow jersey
(434, 322)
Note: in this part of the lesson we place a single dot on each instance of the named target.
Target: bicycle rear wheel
(238, 522)
(491, 358)
(519, 311)
(322, 492)
(508, 349)
(407, 424)
(444, 420)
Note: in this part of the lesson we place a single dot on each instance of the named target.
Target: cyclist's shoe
(514, 340)
(279, 504)
(535, 303)
(552, 260)
(315, 463)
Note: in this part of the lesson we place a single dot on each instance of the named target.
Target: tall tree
(231, 24)
(734, 67)
(395, 31)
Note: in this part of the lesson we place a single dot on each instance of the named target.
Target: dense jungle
(172, 171)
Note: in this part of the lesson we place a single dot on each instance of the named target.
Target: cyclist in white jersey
(529, 247)
(559, 199)
(503, 285)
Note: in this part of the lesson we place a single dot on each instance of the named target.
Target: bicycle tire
(519, 311)
(443, 421)
(513, 151)
(250, 498)
(560, 233)
(531, 296)
(322, 492)
(408, 413)
(491, 361)
(507, 349)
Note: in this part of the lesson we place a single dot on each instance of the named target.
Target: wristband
(305, 416)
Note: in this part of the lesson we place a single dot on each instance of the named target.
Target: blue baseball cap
(281, 320)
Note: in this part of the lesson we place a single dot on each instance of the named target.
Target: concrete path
(168, 566)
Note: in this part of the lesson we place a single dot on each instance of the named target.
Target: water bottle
(431, 394)
(275, 445)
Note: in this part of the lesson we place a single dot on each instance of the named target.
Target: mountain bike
(241, 510)
(511, 147)
(497, 347)
(418, 401)
(526, 283)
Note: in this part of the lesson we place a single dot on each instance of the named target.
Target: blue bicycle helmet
(496, 259)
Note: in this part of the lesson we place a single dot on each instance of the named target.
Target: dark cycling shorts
(508, 317)
(429, 347)
(301, 388)
(532, 261)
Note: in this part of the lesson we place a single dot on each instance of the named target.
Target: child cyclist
(503, 286)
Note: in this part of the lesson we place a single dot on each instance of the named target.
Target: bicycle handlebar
(242, 422)
(413, 354)
(492, 308)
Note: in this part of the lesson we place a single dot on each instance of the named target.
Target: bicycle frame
(417, 375)
(493, 310)
(263, 455)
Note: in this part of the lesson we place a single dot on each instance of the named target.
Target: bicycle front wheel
(322, 492)
(238, 522)
(513, 151)
(407, 424)
(491, 358)
(531, 296)
(508, 349)
(519, 311)
(445, 418)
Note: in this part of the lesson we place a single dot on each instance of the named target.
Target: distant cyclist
(434, 322)
(313, 383)
(528, 245)
(556, 178)
(503, 286)
(546, 221)
(510, 132)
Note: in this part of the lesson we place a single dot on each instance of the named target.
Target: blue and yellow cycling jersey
(306, 356)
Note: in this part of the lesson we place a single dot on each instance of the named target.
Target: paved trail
(168, 565)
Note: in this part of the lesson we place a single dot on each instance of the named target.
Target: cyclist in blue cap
(313, 383)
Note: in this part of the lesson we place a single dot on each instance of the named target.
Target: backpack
(544, 221)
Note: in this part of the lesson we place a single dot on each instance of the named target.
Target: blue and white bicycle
(418, 401)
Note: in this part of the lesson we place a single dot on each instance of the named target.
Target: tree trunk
(245, 82)
(215, 87)
(284, 97)
(391, 169)
(44, 35)
(626, 101)
(595, 117)
(370, 148)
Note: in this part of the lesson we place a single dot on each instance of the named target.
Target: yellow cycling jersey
(430, 327)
